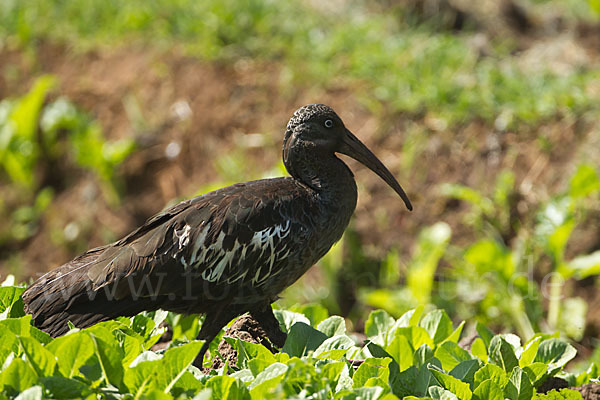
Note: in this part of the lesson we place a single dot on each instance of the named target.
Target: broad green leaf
(439, 393)
(139, 375)
(371, 368)
(42, 361)
(572, 317)
(530, 351)
(334, 347)
(332, 371)
(187, 386)
(244, 375)
(563, 394)
(375, 381)
(413, 381)
(71, 351)
(583, 266)
(455, 336)
(315, 313)
(555, 353)
(248, 351)
(416, 336)
(142, 325)
(288, 318)
(65, 388)
(454, 385)
(465, 371)
(363, 393)
(489, 256)
(502, 354)
(404, 383)
(139, 378)
(425, 378)
(401, 351)
(422, 356)
(410, 318)
(257, 365)
(9, 295)
(174, 364)
(39, 335)
(185, 327)
(431, 245)
(19, 326)
(377, 326)
(536, 371)
(9, 343)
(451, 354)
(109, 355)
(479, 349)
(437, 324)
(17, 377)
(584, 182)
(518, 387)
(492, 372)
(301, 339)
(300, 372)
(33, 393)
(514, 341)
(132, 346)
(488, 390)
(388, 396)
(267, 380)
(332, 326)
(228, 388)
(484, 333)
(155, 394)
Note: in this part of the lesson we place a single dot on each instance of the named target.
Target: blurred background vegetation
(486, 111)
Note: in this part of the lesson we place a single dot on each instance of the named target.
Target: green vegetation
(36, 141)
(511, 261)
(415, 356)
(405, 69)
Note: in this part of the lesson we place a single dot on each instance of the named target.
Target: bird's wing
(249, 233)
(236, 235)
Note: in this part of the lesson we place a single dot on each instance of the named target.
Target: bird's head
(317, 128)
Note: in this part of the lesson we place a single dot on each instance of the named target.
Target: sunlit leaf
(488, 390)
(301, 339)
(518, 387)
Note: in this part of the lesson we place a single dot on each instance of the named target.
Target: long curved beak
(354, 148)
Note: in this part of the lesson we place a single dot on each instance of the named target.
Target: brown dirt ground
(133, 90)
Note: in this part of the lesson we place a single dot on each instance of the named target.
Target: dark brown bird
(226, 252)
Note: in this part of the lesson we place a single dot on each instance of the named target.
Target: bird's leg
(212, 325)
(265, 317)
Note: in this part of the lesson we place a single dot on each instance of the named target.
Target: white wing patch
(263, 241)
(183, 236)
(267, 243)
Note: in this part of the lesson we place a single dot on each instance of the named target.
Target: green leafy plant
(35, 138)
(442, 74)
(415, 356)
(495, 276)
(419, 273)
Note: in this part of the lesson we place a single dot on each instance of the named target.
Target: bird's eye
(328, 123)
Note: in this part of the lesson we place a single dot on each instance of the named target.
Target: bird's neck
(328, 176)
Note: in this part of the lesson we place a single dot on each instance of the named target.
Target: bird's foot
(276, 336)
(270, 324)
(199, 360)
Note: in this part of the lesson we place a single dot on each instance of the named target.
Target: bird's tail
(68, 294)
